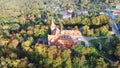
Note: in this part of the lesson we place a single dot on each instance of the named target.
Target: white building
(118, 6)
(80, 12)
(116, 12)
(66, 16)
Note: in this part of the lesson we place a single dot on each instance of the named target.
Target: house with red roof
(65, 38)
(116, 12)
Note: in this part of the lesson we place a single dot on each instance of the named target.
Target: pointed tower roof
(53, 26)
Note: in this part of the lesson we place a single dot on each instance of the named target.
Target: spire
(52, 26)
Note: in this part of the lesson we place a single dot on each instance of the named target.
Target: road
(114, 63)
(106, 58)
(83, 38)
(114, 26)
(112, 23)
(87, 39)
(92, 38)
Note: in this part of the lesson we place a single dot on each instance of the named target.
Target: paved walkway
(92, 38)
(106, 58)
(87, 39)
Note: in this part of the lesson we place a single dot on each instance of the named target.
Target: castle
(67, 38)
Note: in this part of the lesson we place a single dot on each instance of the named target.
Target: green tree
(85, 29)
(43, 33)
(117, 50)
(80, 62)
(15, 27)
(104, 31)
(96, 32)
(101, 63)
(118, 19)
(94, 21)
(90, 32)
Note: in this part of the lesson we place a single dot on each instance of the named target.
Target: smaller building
(118, 6)
(64, 15)
(70, 10)
(57, 6)
(116, 12)
(80, 12)
(102, 13)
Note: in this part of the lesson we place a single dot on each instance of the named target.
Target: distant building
(102, 13)
(70, 10)
(77, 12)
(64, 15)
(118, 6)
(57, 6)
(116, 12)
(80, 12)
(65, 38)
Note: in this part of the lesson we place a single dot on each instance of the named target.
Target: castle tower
(52, 26)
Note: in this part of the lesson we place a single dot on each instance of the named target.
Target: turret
(52, 27)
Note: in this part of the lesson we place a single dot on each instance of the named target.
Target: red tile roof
(63, 37)
(71, 32)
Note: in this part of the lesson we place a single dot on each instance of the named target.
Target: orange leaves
(85, 51)
(52, 49)
(29, 32)
(14, 43)
(41, 50)
(23, 31)
(54, 56)
(47, 27)
(4, 41)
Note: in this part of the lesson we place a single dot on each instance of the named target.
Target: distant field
(13, 7)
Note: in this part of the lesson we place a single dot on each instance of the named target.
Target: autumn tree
(101, 63)
(85, 29)
(104, 31)
(117, 50)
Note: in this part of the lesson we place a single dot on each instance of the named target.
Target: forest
(24, 30)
